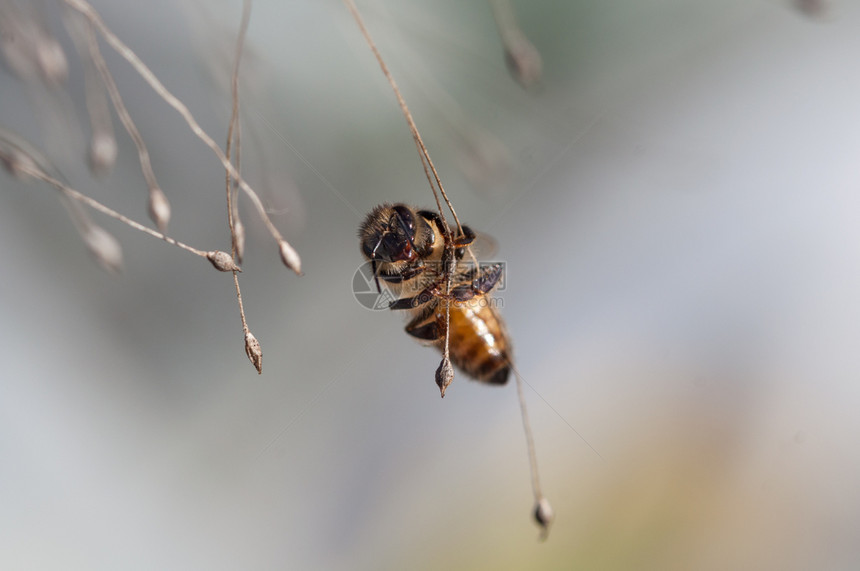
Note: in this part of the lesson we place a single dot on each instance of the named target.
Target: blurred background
(676, 201)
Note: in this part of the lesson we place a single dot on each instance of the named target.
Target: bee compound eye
(405, 215)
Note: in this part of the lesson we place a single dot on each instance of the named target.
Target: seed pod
(290, 257)
(812, 8)
(17, 163)
(543, 515)
(444, 375)
(254, 352)
(103, 152)
(159, 209)
(523, 61)
(222, 261)
(104, 247)
(239, 230)
(53, 64)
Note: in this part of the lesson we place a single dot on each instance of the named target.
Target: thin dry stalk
(233, 131)
(16, 154)
(104, 246)
(123, 50)
(542, 511)
(15, 151)
(29, 167)
(159, 208)
(419, 142)
(28, 46)
(238, 229)
(444, 374)
(252, 346)
(103, 147)
(484, 158)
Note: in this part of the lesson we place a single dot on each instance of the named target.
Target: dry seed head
(543, 516)
(104, 247)
(103, 152)
(17, 56)
(253, 351)
(52, 61)
(813, 8)
(524, 62)
(444, 375)
(19, 46)
(18, 163)
(239, 232)
(159, 208)
(290, 257)
(222, 261)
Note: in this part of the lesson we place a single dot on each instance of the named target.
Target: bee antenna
(373, 265)
(375, 276)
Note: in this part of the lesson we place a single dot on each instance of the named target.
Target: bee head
(388, 234)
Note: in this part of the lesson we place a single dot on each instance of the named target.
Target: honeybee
(407, 250)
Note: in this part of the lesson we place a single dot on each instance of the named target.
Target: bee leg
(488, 277)
(403, 276)
(485, 281)
(412, 272)
(405, 303)
(420, 328)
(413, 302)
(465, 239)
(462, 241)
(432, 215)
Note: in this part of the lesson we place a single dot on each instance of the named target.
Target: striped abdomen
(478, 342)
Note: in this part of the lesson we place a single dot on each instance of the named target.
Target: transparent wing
(483, 247)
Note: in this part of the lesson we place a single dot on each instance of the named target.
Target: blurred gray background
(677, 205)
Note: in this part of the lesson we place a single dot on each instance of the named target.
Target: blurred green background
(677, 206)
